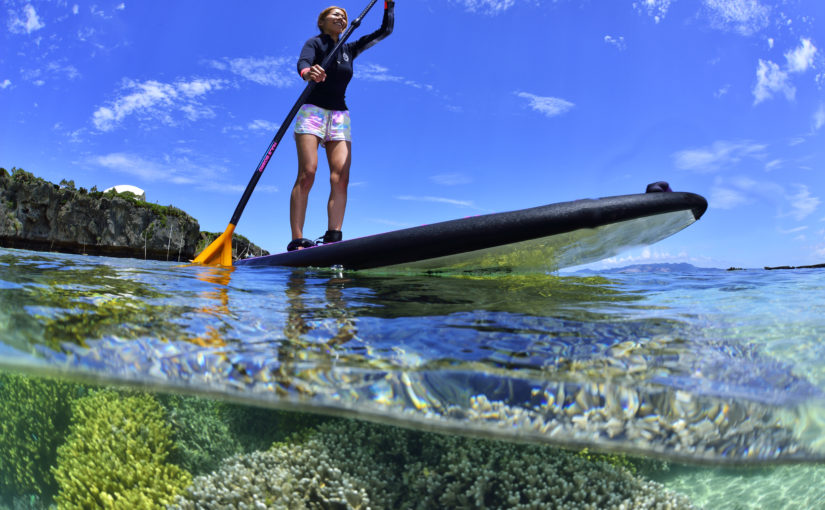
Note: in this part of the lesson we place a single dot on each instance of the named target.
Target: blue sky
(469, 107)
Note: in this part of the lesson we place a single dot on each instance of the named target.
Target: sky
(469, 107)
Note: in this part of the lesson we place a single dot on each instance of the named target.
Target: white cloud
(172, 169)
(801, 58)
(745, 17)
(439, 200)
(491, 7)
(618, 42)
(549, 106)
(263, 125)
(734, 192)
(802, 203)
(156, 101)
(819, 116)
(255, 125)
(63, 69)
(773, 165)
(121, 6)
(270, 71)
(720, 155)
(375, 72)
(653, 8)
(722, 91)
(75, 9)
(769, 80)
(645, 255)
(141, 168)
(727, 198)
(451, 179)
(5, 84)
(27, 24)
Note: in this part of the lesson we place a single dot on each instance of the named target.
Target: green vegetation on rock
(116, 455)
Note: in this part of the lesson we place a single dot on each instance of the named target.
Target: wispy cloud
(729, 193)
(491, 7)
(451, 179)
(375, 72)
(157, 102)
(618, 42)
(171, 169)
(256, 125)
(26, 22)
(773, 165)
(719, 156)
(656, 9)
(141, 168)
(802, 57)
(722, 91)
(62, 69)
(549, 106)
(439, 200)
(819, 116)
(745, 17)
(269, 71)
(722, 197)
(263, 125)
(771, 79)
(802, 203)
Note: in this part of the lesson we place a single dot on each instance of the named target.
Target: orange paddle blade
(219, 252)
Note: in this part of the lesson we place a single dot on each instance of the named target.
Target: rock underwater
(38, 215)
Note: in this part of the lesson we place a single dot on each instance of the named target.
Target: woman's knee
(339, 178)
(306, 176)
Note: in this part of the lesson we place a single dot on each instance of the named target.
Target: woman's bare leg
(339, 156)
(307, 165)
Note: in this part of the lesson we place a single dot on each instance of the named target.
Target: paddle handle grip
(256, 176)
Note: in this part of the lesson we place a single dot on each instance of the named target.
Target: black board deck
(544, 238)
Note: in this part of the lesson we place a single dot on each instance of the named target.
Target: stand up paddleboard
(545, 238)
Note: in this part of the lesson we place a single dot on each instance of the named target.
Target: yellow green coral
(115, 455)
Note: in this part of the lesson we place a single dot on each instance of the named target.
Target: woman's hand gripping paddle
(219, 252)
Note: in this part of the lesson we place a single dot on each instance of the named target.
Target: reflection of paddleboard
(542, 238)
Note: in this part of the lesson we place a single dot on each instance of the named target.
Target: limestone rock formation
(38, 215)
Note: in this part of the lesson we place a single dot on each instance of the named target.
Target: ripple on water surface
(691, 366)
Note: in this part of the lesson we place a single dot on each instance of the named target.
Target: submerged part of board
(545, 238)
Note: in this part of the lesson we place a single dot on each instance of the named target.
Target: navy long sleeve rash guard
(330, 93)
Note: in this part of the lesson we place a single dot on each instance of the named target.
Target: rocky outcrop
(38, 215)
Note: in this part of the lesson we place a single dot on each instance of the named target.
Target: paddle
(220, 250)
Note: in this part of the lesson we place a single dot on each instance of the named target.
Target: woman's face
(335, 22)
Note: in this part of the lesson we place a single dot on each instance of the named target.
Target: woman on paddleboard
(324, 120)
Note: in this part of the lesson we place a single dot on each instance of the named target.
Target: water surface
(704, 366)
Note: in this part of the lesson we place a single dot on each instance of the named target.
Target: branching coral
(33, 418)
(201, 436)
(349, 464)
(115, 455)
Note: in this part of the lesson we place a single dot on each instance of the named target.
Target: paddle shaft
(294, 111)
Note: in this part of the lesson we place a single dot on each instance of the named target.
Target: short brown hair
(328, 10)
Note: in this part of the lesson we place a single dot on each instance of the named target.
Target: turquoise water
(711, 382)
